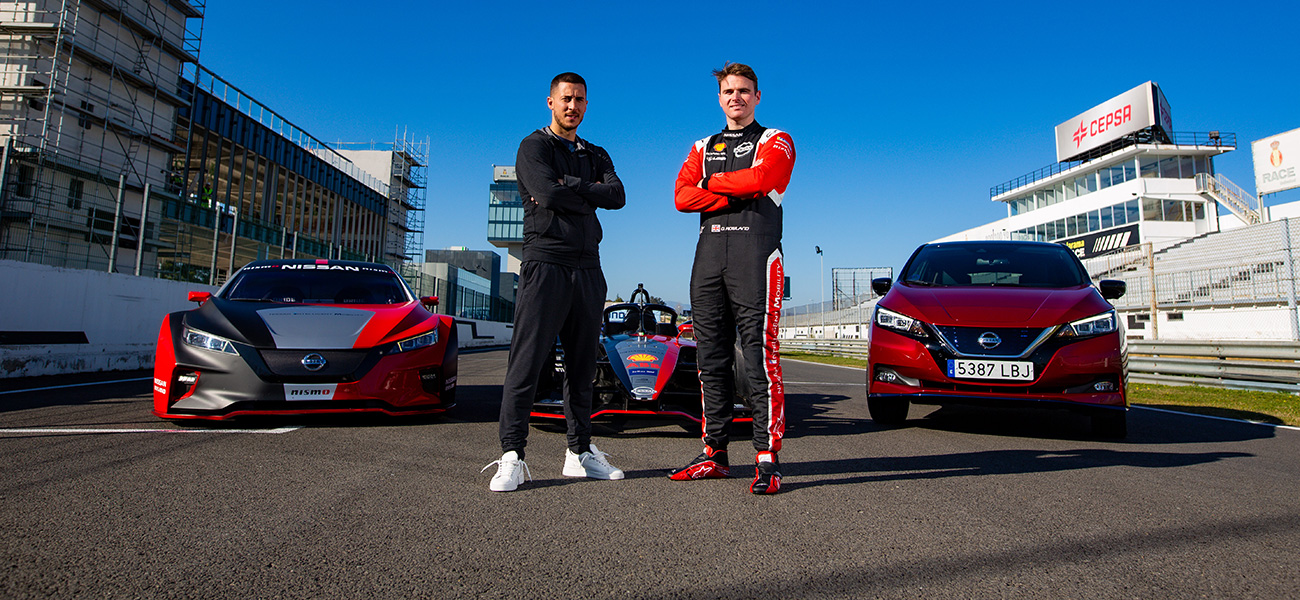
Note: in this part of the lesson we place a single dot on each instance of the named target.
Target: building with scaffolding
(403, 165)
(122, 154)
(89, 94)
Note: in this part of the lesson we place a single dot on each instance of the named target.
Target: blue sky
(903, 115)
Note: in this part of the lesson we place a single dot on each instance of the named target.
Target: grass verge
(828, 360)
(1265, 407)
(1250, 405)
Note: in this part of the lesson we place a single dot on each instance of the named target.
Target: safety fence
(1268, 366)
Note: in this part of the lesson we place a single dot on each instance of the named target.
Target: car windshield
(1023, 265)
(625, 319)
(317, 284)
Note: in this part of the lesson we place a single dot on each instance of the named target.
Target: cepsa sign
(1134, 110)
(1276, 159)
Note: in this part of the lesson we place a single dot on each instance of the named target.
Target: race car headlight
(207, 341)
(898, 322)
(1103, 323)
(419, 341)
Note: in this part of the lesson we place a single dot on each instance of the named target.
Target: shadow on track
(989, 462)
(1145, 427)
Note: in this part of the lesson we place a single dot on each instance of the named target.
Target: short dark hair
(567, 78)
(731, 68)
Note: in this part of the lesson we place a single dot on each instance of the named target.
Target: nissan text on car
(994, 323)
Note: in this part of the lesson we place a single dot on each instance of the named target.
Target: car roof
(318, 261)
(995, 243)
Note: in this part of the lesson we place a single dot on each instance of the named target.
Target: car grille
(1015, 340)
(288, 363)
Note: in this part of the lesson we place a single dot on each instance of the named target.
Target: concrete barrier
(56, 321)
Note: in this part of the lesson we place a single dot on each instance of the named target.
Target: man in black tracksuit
(736, 180)
(563, 179)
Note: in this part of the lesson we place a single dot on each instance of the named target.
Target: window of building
(1150, 167)
(1107, 219)
(1132, 211)
(1151, 209)
(1169, 167)
(76, 188)
(1094, 220)
(1173, 210)
(87, 109)
(1202, 164)
(26, 181)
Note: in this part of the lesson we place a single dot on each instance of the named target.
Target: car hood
(311, 326)
(974, 306)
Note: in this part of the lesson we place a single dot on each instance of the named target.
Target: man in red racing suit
(735, 179)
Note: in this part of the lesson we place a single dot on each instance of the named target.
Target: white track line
(72, 385)
(824, 383)
(83, 430)
(1192, 414)
(809, 362)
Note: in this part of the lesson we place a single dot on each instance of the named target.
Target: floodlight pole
(822, 257)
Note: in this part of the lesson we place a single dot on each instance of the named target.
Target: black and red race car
(645, 367)
(288, 337)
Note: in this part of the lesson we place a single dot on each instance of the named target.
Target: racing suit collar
(752, 127)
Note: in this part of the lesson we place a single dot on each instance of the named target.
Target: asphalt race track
(99, 500)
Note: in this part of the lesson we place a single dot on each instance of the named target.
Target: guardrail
(1266, 366)
(845, 348)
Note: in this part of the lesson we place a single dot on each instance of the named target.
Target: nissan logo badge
(988, 340)
(316, 362)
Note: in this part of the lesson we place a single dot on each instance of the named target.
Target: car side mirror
(881, 285)
(199, 297)
(686, 330)
(429, 301)
(1112, 288)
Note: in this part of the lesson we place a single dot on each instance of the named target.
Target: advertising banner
(1141, 107)
(1088, 246)
(1276, 158)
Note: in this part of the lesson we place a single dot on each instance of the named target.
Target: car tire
(1110, 424)
(888, 411)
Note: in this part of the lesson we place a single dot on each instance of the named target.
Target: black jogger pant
(552, 301)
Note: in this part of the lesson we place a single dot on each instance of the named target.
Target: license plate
(991, 369)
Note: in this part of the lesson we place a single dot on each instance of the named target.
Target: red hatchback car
(997, 322)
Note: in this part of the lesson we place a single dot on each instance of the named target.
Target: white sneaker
(510, 472)
(590, 464)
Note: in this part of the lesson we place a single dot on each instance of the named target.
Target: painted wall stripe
(102, 430)
(72, 385)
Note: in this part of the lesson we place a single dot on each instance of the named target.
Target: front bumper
(1067, 373)
(190, 383)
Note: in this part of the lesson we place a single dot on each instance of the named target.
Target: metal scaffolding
(406, 161)
(89, 91)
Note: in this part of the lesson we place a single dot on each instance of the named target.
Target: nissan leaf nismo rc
(997, 322)
(306, 336)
